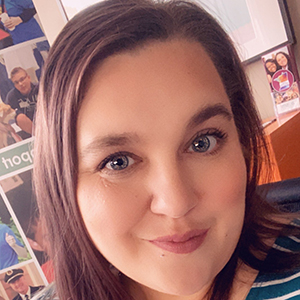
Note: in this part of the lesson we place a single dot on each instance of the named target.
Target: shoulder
(34, 89)
(48, 293)
(276, 286)
(4, 228)
(279, 285)
(35, 289)
(290, 244)
(12, 95)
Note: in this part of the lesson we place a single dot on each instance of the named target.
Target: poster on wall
(23, 51)
(23, 246)
(283, 79)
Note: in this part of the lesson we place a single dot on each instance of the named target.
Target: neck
(243, 281)
(27, 94)
(141, 292)
(25, 291)
(242, 284)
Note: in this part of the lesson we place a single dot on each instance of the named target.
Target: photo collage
(24, 266)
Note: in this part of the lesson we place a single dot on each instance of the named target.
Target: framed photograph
(256, 27)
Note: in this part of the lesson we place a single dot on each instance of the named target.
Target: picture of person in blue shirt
(10, 248)
(21, 23)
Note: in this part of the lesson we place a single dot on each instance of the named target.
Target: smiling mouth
(181, 244)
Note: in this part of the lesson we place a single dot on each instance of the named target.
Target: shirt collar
(28, 294)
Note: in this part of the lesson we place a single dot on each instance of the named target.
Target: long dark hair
(273, 61)
(100, 31)
(287, 58)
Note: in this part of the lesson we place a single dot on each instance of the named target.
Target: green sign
(16, 157)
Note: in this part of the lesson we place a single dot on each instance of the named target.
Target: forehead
(17, 280)
(167, 81)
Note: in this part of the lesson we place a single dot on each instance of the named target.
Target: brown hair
(286, 56)
(110, 27)
(17, 70)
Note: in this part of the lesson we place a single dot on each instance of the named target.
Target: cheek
(235, 181)
(109, 210)
(225, 181)
(225, 200)
(233, 185)
(234, 191)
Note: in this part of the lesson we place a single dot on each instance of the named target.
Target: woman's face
(281, 60)
(271, 67)
(162, 177)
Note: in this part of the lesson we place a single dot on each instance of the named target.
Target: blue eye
(119, 162)
(204, 143)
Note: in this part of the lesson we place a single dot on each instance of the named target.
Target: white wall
(261, 89)
(53, 19)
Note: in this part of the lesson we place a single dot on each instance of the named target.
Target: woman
(283, 60)
(271, 68)
(148, 152)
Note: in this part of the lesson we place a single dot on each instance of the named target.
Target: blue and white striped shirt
(282, 286)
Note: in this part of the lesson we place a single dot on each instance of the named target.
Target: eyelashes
(117, 161)
(207, 142)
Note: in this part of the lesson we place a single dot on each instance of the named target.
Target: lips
(181, 243)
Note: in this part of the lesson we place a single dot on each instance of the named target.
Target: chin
(187, 290)
(184, 285)
(184, 290)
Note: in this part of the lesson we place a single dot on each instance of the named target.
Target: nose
(173, 194)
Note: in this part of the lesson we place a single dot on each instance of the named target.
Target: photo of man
(17, 281)
(23, 202)
(23, 98)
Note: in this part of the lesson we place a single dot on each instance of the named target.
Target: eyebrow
(117, 140)
(209, 112)
(108, 141)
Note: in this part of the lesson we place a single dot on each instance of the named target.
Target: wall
(256, 72)
(53, 19)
